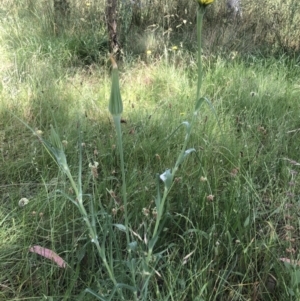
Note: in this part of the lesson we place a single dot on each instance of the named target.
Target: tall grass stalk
(116, 109)
(200, 14)
(168, 176)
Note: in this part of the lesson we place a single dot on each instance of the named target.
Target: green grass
(232, 212)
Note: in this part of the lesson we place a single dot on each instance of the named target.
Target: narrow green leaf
(166, 177)
(54, 139)
(120, 227)
(247, 221)
(152, 242)
(213, 110)
(187, 125)
(198, 104)
(158, 197)
(185, 154)
(200, 232)
(295, 278)
(88, 290)
(81, 253)
(188, 151)
(129, 287)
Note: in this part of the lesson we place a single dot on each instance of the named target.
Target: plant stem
(166, 190)
(117, 121)
(200, 14)
(160, 210)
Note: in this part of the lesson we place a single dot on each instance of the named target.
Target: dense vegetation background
(231, 225)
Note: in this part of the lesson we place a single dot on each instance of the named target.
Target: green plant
(230, 217)
(147, 263)
(116, 108)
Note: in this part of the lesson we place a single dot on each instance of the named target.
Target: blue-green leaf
(166, 177)
(132, 245)
(120, 227)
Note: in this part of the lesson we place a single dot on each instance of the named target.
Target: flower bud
(115, 103)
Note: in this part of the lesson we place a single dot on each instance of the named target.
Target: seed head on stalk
(115, 102)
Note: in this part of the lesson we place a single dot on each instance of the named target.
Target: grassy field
(230, 228)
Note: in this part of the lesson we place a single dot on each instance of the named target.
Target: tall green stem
(116, 108)
(160, 210)
(200, 14)
(117, 121)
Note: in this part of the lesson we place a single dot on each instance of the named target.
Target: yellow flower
(174, 48)
(148, 52)
(205, 2)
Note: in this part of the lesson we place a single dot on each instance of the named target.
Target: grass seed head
(210, 197)
(23, 202)
(38, 132)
